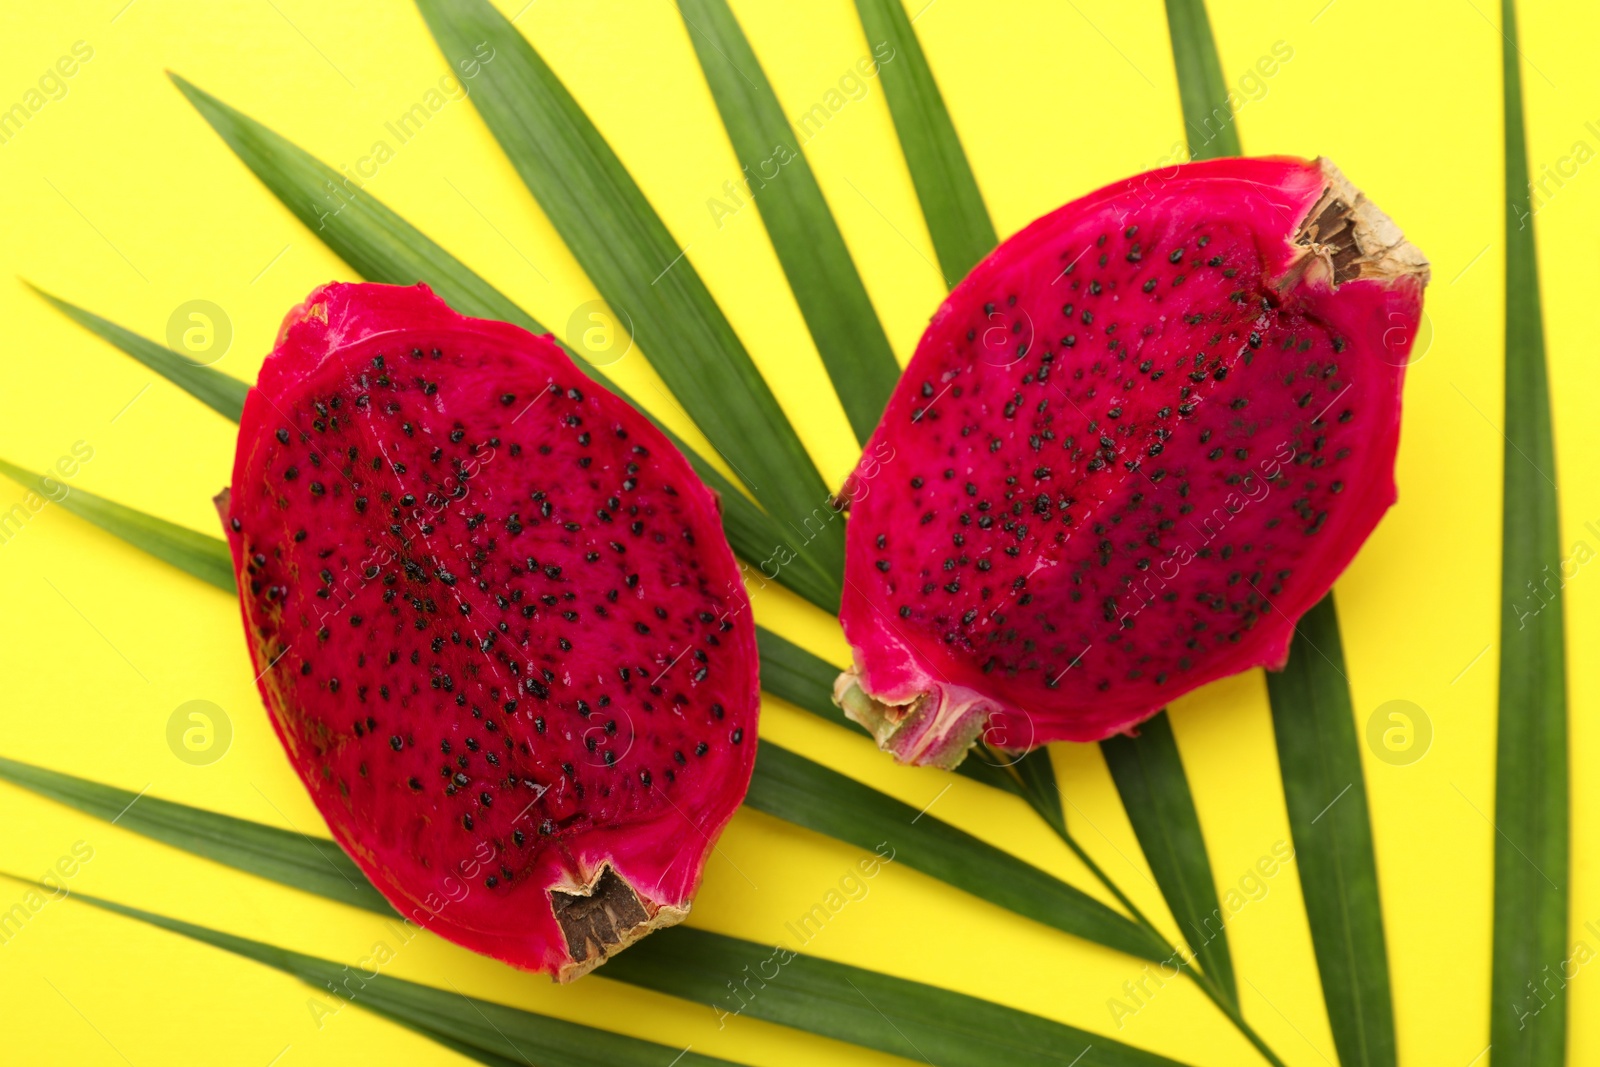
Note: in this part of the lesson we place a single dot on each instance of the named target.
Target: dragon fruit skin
(495, 623)
(1133, 447)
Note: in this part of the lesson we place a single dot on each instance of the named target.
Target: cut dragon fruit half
(495, 623)
(1133, 447)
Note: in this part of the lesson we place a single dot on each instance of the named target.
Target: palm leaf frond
(1531, 803)
(222, 393)
(200, 555)
(1208, 118)
(823, 277)
(1150, 778)
(958, 222)
(1326, 793)
(495, 1034)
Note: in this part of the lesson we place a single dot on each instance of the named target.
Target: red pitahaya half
(1135, 444)
(495, 624)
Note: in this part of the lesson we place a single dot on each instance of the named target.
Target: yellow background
(119, 197)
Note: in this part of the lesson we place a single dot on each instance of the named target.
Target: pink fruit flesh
(496, 624)
(1135, 444)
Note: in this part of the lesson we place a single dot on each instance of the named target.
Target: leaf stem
(1192, 970)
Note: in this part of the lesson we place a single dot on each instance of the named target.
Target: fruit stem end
(936, 728)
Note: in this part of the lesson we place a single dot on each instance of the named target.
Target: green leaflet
(480, 1029)
(810, 247)
(959, 225)
(1531, 770)
(168, 542)
(1155, 792)
(359, 229)
(1327, 800)
(1208, 118)
(199, 554)
(957, 220)
(919, 1022)
(316, 865)
(808, 794)
(383, 247)
(639, 269)
(834, 1000)
(1037, 776)
(804, 680)
(218, 391)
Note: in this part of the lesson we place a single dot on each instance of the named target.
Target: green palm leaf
(1036, 775)
(639, 269)
(797, 790)
(879, 1011)
(957, 220)
(1207, 116)
(835, 1000)
(1149, 775)
(178, 545)
(383, 247)
(1531, 774)
(810, 247)
(482, 1030)
(222, 393)
(316, 865)
(1327, 801)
